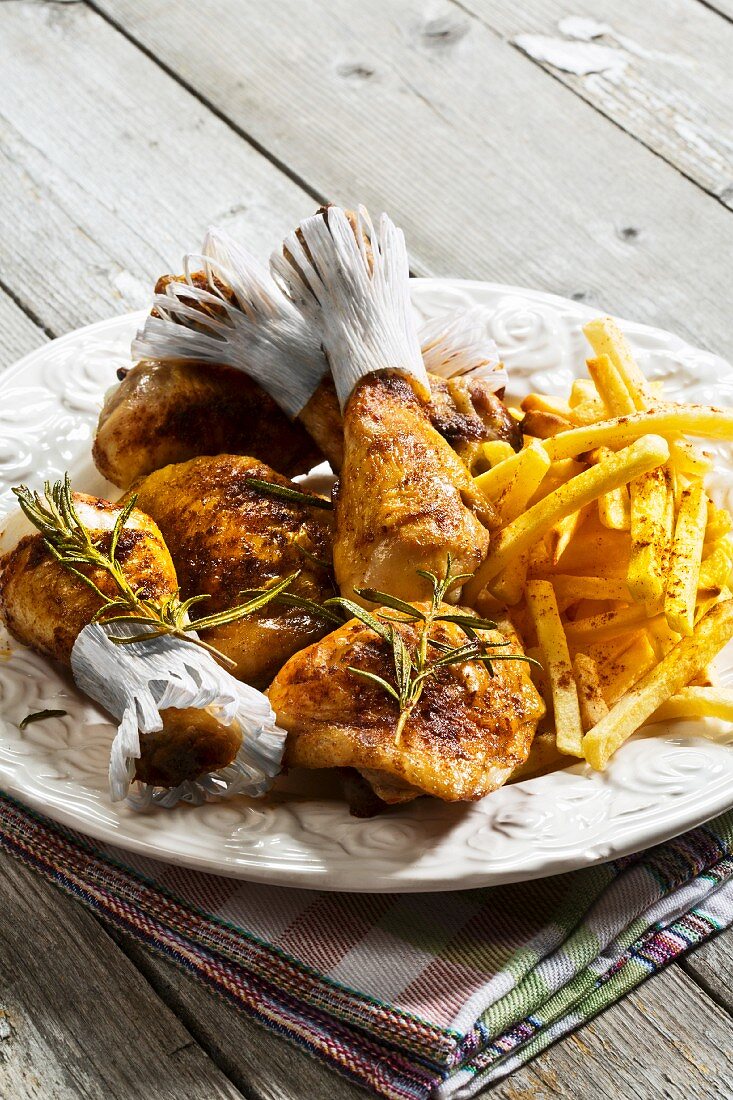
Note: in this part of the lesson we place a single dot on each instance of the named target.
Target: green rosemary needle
(410, 672)
(284, 492)
(71, 543)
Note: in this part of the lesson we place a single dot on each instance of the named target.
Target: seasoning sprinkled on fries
(613, 561)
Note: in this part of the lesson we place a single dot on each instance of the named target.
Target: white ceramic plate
(303, 835)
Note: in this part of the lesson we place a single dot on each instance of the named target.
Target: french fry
(661, 636)
(530, 468)
(614, 508)
(556, 661)
(522, 622)
(606, 652)
(589, 412)
(558, 474)
(611, 386)
(558, 537)
(715, 569)
(540, 402)
(644, 455)
(606, 338)
(582, 390)
(596, 550)
(696, 702)
(496, 450)
(611, 624)
(667, 678)
(686, 459)
(585, 608)
(497, 480)
(629, 666)
(543, 425)
(685, 559)
(706, 677)
(706, 600)
(719, 524)
(540, 563)
(592, 704)
(568, 589)
(698, 420)
(508, 587)
(538, 674)
(649, 536)
(488, 607)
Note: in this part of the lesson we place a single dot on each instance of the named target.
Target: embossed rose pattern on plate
(302, 835)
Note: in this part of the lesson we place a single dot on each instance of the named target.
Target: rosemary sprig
(71, 543)
(411, 672)
(284, 492)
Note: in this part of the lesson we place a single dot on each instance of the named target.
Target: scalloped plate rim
(379, 872)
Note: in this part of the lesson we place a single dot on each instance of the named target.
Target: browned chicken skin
(45, 607)
(166, 412)
(405, 500)
(465, 411)
(467, 733)
(225, 536)
(169, 412)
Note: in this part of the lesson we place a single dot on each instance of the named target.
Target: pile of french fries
(610, 560)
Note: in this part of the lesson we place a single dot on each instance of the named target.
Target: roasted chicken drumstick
(180, 400)
(165, 412)
(46, 606)
(226, 535)
(405, 499)
(464, 738)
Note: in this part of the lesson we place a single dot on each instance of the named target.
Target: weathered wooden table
(127, 127)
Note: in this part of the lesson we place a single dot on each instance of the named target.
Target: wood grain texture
(711, 966)
(670, 81)
(77, 1020)
(494, 169)
(111, 170)
(667, 1040)
(722, 7)
(18, 333)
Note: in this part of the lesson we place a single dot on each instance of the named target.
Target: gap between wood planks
(721, 7)
(477, 16)
(281, 166)
(492, 22)
(48, 331)
(239, 1048)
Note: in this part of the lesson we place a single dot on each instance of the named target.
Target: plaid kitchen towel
(415, 995)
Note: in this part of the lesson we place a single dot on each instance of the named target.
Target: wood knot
(443, 31)
(355, 70)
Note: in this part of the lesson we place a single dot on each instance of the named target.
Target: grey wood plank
(666, 1039)
(77, 1020)
(722, 7)
(18, 333)
(711, 966)
(669, 80)
(259, 1062)
(494, 169)
(109, 170)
